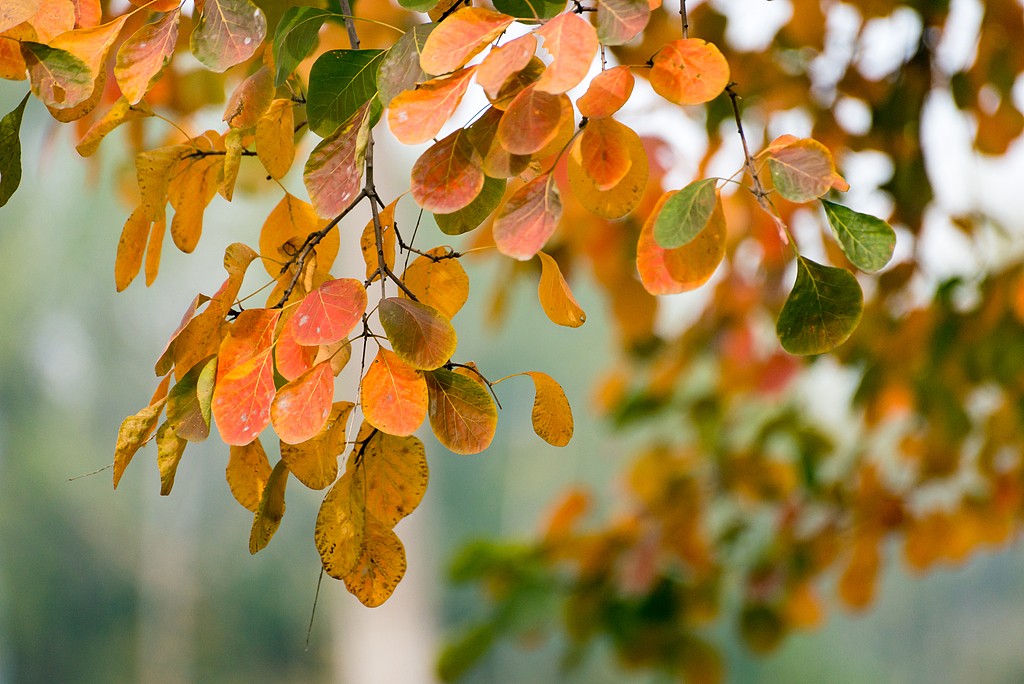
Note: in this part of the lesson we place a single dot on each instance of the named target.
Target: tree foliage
(551, 176)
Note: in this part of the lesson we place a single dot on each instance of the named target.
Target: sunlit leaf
(517, 82)
(14, 12)
(275, 138)
(247, 473)
(121, 112)
(572, 42)
(867, 241)
(380, 566)
(169, 449)
(528, 218)
(340, 525)
(531, 121)
(607, 92)
(670, 271)
(292, 359)
(418, 333)
(330, 312)
(803, 170)
(314, 462)
(338, 354)
(91, 45)
(142, 58)
(530, 9)
(10, 151)
(462, 414)
(334, 170)
(130, 248)
(188, 403)
(555, 296)
(689, 71)
(625, 195)
(417, 5)
(341, 82)
(393, 395)
(295, 38)
(234, 145)
(389, 242)
(552, 415)
(163, 364)
(250, 335)
(459, 37)
(822, 311)
(685, 214)
(400, 68)
(285, 231)
(242, 398)
(448, 176)
(438, 282)
(396, 474)
(416, 116)
(228, 33)
(619, 21)
(57, 77)
(134, 432)
(301, 408)
(152, 169)
(250, 99)
(476, 212)
(270, 510)
(502, 62)
(605, 152)
(200, 338)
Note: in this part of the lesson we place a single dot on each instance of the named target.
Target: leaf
(867, 241)
(340, 525)
(134, 432)
(130, 248)
(341, 82)
(572, 42)
(670, 271)
(14, 12)
(338, 354)
(330, 312)
(188, 404)
(607, 92)
(275, 138)
(250, 100)
(242, 398)
(57, 77)
(416, 116)
(530, 9)
(555, 296)
(461, 36)
(529, 217)
(152, 169)
(368, 242)
(314, 463)
(334, 171)
(393, 395)
(285, 231)
(621, 199)
(142, 58)
(418, 333)
(531, 121)
(169, 449)
(552, 415)
(380, 566)
(10, 151)
(396, 474)
(12, 62)
(228, 33)
(502, 62)
(400, 68)
(247, 473)
(164, 363)
(88, 13)
(301, 408)
(121, 112)
(822, 311)
(619, 21)
(270, 510)
(417, 5)
(605, 153)
(201, 338)
(251, 335)
(438, 282)
(476, 212)
(291, 358)
(91, 45)
(295, 38)
(803, 170)
(462, 414)
(448, 176)
(689, 71)
(191, 188)
(685, 214)
(234, 145)
(518, 82)
(156, 239)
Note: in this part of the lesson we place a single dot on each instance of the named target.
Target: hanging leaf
(518, 82)
(10, 151)
(228, 33)
(400, 69)
(476, 212)
(169, 449)
(393, 395)
(270, 510)
(396, 474)
(275, 138)
(188, 403)
(619, 21)
(330, 312)
(152, 169)
(285, 231)
(552, 415)
(340, 525)
(301, 408)
(297, 33)
(250, 100)
(380, 566)
(57, 77)
(247, 473)
(14, 12)
(867, 241)
(338, 354)
(459, 37)
(607, 92)
(438, 282)
(572, 42)
(291, 358)
(130, 249)
(314, 462)
(685, 214)
(530, 9)
(341, 82)
(462, 414)
(531, 121)
(134, 432)
(242, 398)
(234, 145)
(166, 359)
(803, 170)
(389, 240)
(334, 171)
(555, 296)
(605, 152)
(689, 71)
(416, 116)
(421, 336)
(625, 195)
(142, 58)
(121, 112)
(528, 218)
(502, 62)
(670, 271)
(448, 176)
(250, 335)
(822, 311)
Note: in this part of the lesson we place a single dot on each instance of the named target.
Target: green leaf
(188, 403)
(10, 151)
(418, 333)
(685, 214)
(418, 5)
(822, 311)
(340, 82)
(57, 77)
(459, 656)
(530, 9)
(473, 214)
(400, 69)
(295, 37)
(867, 241)
(228, 33)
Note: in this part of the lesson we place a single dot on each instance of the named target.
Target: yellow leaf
(379, 567)
(625, 195)
(555, 296)
(552, 415)
(120, 113)
(438, 282)
(247, 473)
(396, 475)
(156, 241)
(314, 463)
(153, 169)
(169, 448)
(134, 432)
(285, 231)
(189, 191)
(340, 525)
(233, 146)
(275, 138)
(270, 510)
(130, 249)
(368, 242)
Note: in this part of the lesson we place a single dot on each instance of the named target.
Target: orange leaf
(142, 58)
(418, 333)
(555, 296)
(396, 475)
(528, 218)
(270, 510)
(605, 153)
(242, 398)
(314, 463)
(121, 112)
(330, 312)
(153, 169)
(368, 241)
(292, 359)
(301, 408)
(251, 335)
(250, 99)
(393, 395)
(334, 171)
(169, 449)
(516, 83)
(670, 271)
(340, 525)
(156, 240)
(573, 44)
(285, 231)
(90, 44)
(607, 92)
(803, 170)
(623, 197)
(247, 473)
(448, 176)
(619, 21)
(416, 116)
(380, 566)
(462, 414)
(439, 283)
(502, 62)
(163, 364)
(689, 71)
(459, 37)
(130, 248)
(531, 121)
(552, 415)
(275, 138)
(14, 12)
(88, 13)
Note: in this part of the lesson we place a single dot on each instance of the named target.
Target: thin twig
(95, 472)
(490, 385)
(684, 19)
(312, 613)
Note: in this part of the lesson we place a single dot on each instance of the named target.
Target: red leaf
(572, 42)
(502, 62)
(528, 219)
(334, 170)
(242, 398)
(531, 121)
(607, 92)
(393, 395)
(416, 116)
(251, 335)
(330, 312)
(449, 175)
(301, 408)
(459, 37)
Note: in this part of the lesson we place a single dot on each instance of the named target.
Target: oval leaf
(607, 92)
(532, 120)
(400, 69)
(555, 296)
(270, 510)
(416, 116)
(296, 35)
(619, 21)
(685, 214)
(334, 171)
(330, 312)
(624, 196)
(448, 176)
(670, 271)
(421, 336)
(247, 473)
(241, 400)
(340, 525)
(393, 395)
(459, 37)
(314, 462)
(462, 414)
(396, 476)
(802, 170)
(228, 33)
(528, 219)
(573, 44)
(438, 282)
(340, 83)
(605, 153)
(142, 58)
(502, 62)
(552, 415)
(867, 241)
(822, 311)
(300, 409)
(689, 71)
(379, 567)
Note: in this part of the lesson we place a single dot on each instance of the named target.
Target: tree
(555, 183)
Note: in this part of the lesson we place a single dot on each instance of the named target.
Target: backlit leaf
(250, 335)
(52, 18)
(670, 271)
(803, 170)
(400, 68)
(822, 311)
(14, 12)
(234, 145)
(301, 408)
(153, 247)
(619, 21)
(502, 62)
(621, 199)
(462, 414)
(340, 525)
(228, 33)
(292, 359)
(418, 333)
(393, 395)
(130, 249)
(685, 214)
(201, 338)
(448, 176)
(285, 231)
(396, 474)
(572, 42)
(121, 112)
(528, 218)
(689, 71)
(605, 152)
(518, 82)
(169, 449)
(379, 567)
(57, 77)
(90, 45)
(530, 9)
(438, 282)
(341, 82)
(295, 38)
(531, 121)
(188, 403)
(163, 364)
(275, 138)
(459, 37)
(867, 241)
(134, 432)
(338, 354)
(552, 415)
(330, 312)
(607, 92)
(12, 62)
(270, 510)
(242, 398)
(247, 473)
(10, 151)
(334, 170)
(389, 241)
(555, 296)
(250, 99)
(189, 192)
(142, 58)
(152, 169)
(314, 462)
(476, 212)
(416, 116)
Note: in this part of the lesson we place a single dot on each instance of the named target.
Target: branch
(683, 18)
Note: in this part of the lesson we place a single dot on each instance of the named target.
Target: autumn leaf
(270, 510)
(166, 359)
(247, 473)
(340, 525)
(502, 62)
(555, 296)
(119, 113)
(438, 282)
(400, 68)
(14, 12)
(314, 462)
(275, 138)
(90, 45)
(689, 71)
(607, 92)
(297, 33)
(169, 449)
(134, 432)
(341, 83)
(393, 395)
(531, 121)
(416, 116)
(10, 151)
(188, 403)
(459, 37)
(228, 33)
(670, 271)
(803, 170)
(250, 100)
(330, 312)
(822, 311)
(389, 242)
(462, 414)
(418, 333)
(530, 9)
(528, 218)
(685, 214)
(624, 196)
(152, 169)
(130, 248)
(57, 77)
(285, 231)
(242, 398)
(292, 359)
(572, 42)
(142, 58)
(379, 567)
(619, 21)
(552, 415)
(605, 152)
(517, 83)
(396, 473)
(334, 171)
(476, 212)
(448, 176)
(301, 408)
(868, 242)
